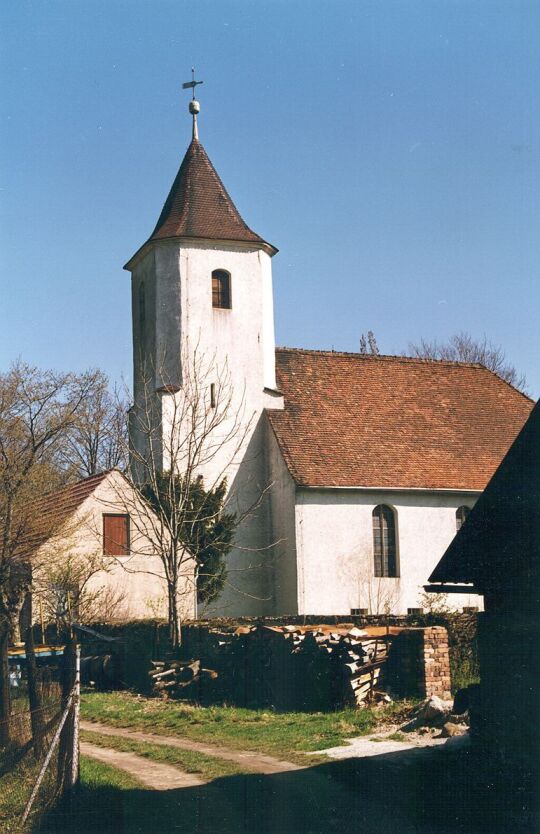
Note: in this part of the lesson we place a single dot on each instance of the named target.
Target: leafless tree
(64, 577)
(178, 436)
(368, 344)
(462, 347)
(97, 440)
(37, 410)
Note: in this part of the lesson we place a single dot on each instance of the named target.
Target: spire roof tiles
(199, 206)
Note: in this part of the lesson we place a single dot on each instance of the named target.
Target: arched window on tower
(384, 541)
(221, 289)
(461, 516)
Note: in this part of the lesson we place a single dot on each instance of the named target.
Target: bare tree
(64, 577)
(37, 410)
(368, 344)
(97, 440)
(462, 347)
(184, 441)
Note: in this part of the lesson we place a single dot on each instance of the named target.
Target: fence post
(67, 760)
(76, 712)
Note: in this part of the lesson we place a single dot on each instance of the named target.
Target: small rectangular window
(116, 535)
(212, 395)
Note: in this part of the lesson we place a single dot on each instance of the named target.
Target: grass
(392, 737)
(16, 787)
(286, 734)
(205, 766)
(104, 796)
(96, 775)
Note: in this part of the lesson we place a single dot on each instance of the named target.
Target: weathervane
(194, 106)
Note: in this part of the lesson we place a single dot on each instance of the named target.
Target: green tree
(202, 528)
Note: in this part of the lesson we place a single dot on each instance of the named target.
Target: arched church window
(221, 289)
(142, 307)
(461, 516)
(384, 541)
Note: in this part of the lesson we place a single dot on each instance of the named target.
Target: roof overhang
(217, 242)
(445, 588)
(422, 490)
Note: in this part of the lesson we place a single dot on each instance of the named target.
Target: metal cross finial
(192, 84)
(194, 106)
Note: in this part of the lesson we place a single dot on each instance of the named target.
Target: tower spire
(194, 106)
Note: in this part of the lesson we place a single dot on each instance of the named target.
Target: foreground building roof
(500, 540)
(356, 420)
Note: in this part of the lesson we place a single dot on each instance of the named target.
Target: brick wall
(419, 663)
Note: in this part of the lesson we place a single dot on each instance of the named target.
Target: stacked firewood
(179, 679)
(294, 667)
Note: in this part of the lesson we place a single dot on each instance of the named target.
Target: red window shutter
(116, 535)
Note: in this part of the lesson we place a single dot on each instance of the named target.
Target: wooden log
(156, 675)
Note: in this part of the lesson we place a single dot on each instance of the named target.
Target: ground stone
(450, 729)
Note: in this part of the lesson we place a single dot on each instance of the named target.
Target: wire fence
(39, 760)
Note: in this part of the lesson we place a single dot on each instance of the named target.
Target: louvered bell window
(384, 541)
(221, 289)
(461, 516)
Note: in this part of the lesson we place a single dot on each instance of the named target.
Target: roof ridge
(386, 357)
(97, 476)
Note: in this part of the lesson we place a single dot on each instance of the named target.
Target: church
(350, 473)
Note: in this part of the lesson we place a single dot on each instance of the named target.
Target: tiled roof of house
(61, 503)
(199, 206)
(354, 420)
(54, 508)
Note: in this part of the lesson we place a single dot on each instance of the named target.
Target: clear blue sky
(390, 150)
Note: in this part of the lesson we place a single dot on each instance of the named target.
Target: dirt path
(256, 762)
(160, 777)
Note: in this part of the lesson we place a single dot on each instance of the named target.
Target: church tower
(203, 325)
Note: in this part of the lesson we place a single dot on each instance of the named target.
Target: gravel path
(253, 761)
(156, 775)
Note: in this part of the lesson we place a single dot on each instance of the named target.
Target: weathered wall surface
(131, 586)
(283, 533)
(334, 543)
(235, 349)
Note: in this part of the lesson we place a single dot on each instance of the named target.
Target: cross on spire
(192, 84)
(194, 106)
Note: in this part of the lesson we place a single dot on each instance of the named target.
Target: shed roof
(356, 420)
(501, 537)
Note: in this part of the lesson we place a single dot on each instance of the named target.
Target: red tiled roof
(199, 206)
(354, 420)
(61, 503)
(53, 509)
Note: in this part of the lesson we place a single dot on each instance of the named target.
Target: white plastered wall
(132, 586)
(334, 546)
(241, 339)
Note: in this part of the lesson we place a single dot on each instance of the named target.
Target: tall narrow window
(212, 395)
(461, 516)
(115, 535)
(221, 289)
(384, 541)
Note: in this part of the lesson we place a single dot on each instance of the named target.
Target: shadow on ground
(410, 792)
